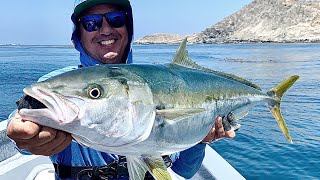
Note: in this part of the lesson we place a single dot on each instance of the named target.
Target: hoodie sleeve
(187, 162)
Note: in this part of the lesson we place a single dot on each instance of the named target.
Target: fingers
(56, 145)
(60, 147)
(219, 129)
(230, 134)
(21, 129)
(217, 132)
(210, 137)
(221, 133)
(48, 142)
(44, 136)
(37, 139)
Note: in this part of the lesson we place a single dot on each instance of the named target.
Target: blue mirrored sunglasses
(93, 22)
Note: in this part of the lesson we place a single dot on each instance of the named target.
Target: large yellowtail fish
(144, 111)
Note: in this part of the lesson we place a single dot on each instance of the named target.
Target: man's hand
(37, 139)
(217, 132)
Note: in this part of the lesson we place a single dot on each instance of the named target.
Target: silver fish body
(146, 110)
(186, 102)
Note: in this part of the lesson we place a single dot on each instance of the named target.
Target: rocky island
(279, 21)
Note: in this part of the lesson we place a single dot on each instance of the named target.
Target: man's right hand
(39, 140)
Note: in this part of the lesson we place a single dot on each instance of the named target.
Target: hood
(85, 59)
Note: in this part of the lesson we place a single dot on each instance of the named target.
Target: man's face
(106, 45)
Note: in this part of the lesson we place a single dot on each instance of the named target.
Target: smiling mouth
(108, 42)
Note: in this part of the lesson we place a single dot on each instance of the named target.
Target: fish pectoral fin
(178, 114)
(138, 166)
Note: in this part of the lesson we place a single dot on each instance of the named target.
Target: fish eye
(94, 92)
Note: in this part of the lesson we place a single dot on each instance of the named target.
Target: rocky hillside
(165, 39)
(265, 21)
(268, 21)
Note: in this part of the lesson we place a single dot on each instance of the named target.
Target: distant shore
(262, 21)
(161, 38)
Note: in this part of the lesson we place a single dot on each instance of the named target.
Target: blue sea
(259, 150)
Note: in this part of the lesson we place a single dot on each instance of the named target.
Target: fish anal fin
(136, 168)
(157, 168)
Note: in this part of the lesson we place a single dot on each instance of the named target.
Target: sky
(47, 22)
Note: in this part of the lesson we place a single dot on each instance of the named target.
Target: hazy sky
(48, 21)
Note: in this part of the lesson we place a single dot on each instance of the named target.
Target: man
(103, 35)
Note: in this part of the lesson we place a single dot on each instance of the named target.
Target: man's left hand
(217, 132)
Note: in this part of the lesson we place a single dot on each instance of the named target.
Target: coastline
(176, 42)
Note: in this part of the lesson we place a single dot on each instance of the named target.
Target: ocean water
(259, 150)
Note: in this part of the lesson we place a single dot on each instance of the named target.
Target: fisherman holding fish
(103, 34)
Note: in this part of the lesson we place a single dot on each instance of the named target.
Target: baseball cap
(82, 5)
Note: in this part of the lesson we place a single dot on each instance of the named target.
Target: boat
(14, 165)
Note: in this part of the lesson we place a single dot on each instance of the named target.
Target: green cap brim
(89, 3)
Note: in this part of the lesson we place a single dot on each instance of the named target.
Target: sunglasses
(93, 22)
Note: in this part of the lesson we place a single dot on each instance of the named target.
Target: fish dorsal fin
(182, 58)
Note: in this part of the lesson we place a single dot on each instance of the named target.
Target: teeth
(107, 42)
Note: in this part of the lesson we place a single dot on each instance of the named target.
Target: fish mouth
(63, 109)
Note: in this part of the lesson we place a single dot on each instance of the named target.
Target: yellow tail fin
(277, 93)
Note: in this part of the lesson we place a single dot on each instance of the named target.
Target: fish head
(104, 106)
